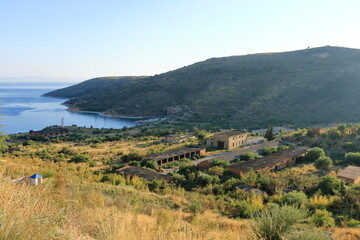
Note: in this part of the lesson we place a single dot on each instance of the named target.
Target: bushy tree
(295, 198)
(331, 185)
(323, 163)
(353, 157)
(216, 171)
(314, 153)
(204, 179)
(79, 158)
(152, 164)
(322, 218)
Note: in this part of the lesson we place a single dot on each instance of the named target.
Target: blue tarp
(36, 176)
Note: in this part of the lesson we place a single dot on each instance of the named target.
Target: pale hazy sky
(89, 38)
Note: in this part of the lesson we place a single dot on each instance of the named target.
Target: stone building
(227, 140)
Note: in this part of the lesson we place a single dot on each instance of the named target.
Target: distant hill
(305, 87)
(89, 87)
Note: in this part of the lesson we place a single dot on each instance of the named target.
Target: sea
(22, 108)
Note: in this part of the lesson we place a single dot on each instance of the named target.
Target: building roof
(272, 160)
(351, 172)
(291, 152)
(173, 153)
(36, 176)
(258, 163)
(143, 173)
(231, 133)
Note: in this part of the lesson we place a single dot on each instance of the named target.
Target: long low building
(205, 163)
(176, 154)
(274, 161)
(147, 174)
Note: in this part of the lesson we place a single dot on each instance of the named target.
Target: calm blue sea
(23, 109)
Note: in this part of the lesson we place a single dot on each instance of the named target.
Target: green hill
(89, 87)
(305, 87)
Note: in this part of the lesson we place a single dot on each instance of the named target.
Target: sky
(81, 39)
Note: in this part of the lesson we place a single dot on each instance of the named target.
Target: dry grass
(346, 233)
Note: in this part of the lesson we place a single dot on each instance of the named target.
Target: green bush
(323, 163)
(249, 156)
(331, 185)
(274, 223)
(79, 159)
(353, 157)
(314, 153)
(295, 198)
(322, 218)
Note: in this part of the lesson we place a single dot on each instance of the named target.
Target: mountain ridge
(293, 87)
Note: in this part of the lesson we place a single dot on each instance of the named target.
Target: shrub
(152, 164)
(249, 156)
(275, 222)
(322, 218)
(295, 198)
(79, 159)
(353, 223)
(323, 163)
(319, 201)
(353, 157)
(250, 206)
(219, 163)
(331, 185)
(349, 146)
(314, 153)
(204, 179)
(216, 171)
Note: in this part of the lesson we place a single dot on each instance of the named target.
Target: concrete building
(227, 140)
(274, 161)
(147, 174)
(176, 154)
(205, 163)
(351, 174)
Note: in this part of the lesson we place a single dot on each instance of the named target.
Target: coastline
(140, 119)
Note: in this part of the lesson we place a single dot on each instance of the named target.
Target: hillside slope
(304, 87)
(91, 86)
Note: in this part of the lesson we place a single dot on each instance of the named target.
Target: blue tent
(36, 176)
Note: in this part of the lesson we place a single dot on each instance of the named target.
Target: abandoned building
(51, 132)
(274, 161)
(205, 163)
(147, 174)
(227, 140)
(351, 174)
(176, 154)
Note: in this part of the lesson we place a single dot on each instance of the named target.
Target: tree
(353, 157)
(323, 163)
(331, 185)
(270, 135)
(152, 164)
(322, 218)
(314, 153)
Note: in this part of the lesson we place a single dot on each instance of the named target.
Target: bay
(23, 109)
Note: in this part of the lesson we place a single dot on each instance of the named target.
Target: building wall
(204, 165)
(228, 142)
